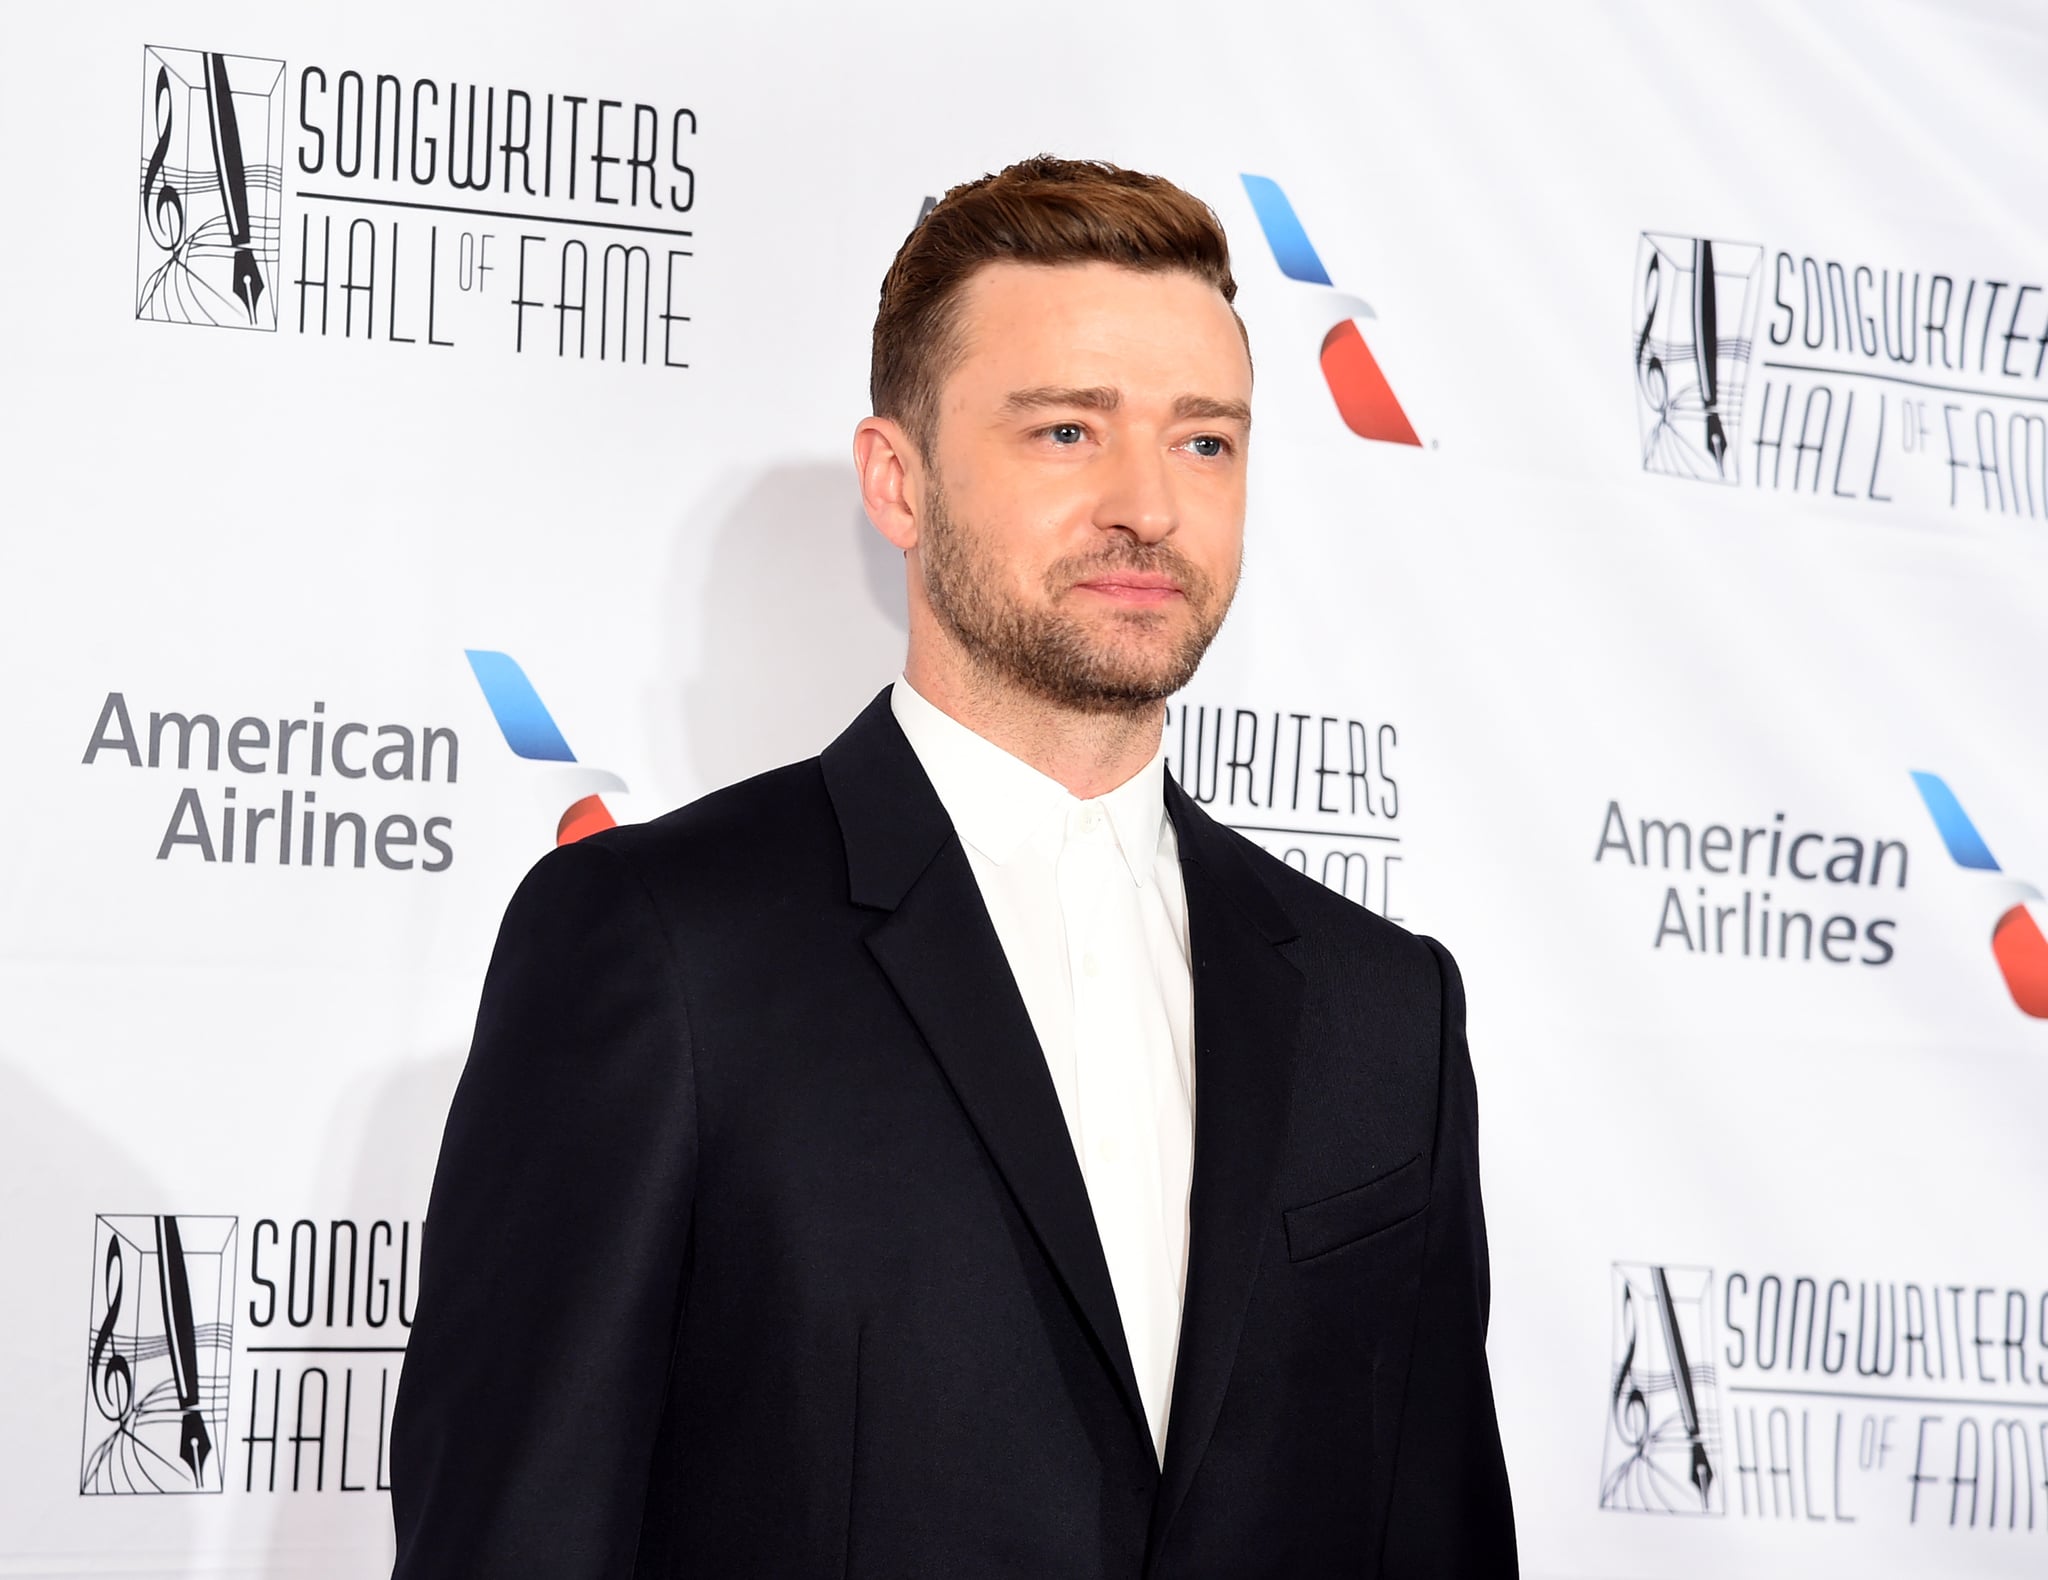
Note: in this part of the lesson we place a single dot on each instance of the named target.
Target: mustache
(1148, 559)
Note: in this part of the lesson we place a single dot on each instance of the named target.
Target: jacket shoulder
(1334, 928)
(774, 833)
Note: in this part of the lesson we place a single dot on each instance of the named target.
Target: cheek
(1011, 540)
(1028, 529)
(1212, 533)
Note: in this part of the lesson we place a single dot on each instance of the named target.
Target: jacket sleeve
(1452, 1516)
(554, 1247)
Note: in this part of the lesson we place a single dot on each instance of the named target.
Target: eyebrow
(1101, 397)
(1209, 408)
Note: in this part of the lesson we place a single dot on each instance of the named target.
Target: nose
(1137, 494)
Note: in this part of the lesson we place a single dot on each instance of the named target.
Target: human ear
(890, 479)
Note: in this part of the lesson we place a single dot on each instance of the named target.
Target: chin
(1122, 680)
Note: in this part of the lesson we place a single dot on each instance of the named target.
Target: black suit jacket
(758, 1246)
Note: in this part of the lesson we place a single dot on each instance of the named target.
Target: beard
(1123, 661)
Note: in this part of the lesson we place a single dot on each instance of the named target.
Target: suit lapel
(1247, 1013)
(940, 951)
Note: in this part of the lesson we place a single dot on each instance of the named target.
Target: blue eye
(1207, 445)
(1066, 433)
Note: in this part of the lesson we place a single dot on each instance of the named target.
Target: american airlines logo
(1365, 400)
(531, 732)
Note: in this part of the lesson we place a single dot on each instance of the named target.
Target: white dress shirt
(1087, 902)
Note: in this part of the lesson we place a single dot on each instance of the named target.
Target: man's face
(1083, 513)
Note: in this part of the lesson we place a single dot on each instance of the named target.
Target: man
(957, 1155)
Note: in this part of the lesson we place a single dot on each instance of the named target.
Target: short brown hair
(1046, 211)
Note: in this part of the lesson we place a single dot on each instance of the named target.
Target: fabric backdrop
(427, 439)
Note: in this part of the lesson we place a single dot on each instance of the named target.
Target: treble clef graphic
(1631, 1407)
(1649, 366)
(113, 1386)
(157, 200)
(234, 184)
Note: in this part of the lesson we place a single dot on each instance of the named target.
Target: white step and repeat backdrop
(426, 438)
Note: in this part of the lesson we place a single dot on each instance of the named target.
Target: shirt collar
(998, 802)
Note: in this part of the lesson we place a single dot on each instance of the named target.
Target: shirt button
(1107, 1151)
(1089, 965)
(1091, 819)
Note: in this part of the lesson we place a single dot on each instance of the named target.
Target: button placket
(1120, 1152)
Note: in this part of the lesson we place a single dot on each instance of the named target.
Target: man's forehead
(1097, 327)
(1082, 283)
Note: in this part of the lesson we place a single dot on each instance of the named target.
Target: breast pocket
(1323, 1226)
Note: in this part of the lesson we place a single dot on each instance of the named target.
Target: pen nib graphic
(194, 1445)
(1706, 348)
(182, 1345)
(234, 181)
(1702, 1474)
(1682, 1377)
(248, 281)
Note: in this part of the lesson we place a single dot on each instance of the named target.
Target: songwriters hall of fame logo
(1694, 325)
(1663, 1453)
(211, 189)
(159, 1341)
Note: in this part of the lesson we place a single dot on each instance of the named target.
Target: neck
(1089, 752)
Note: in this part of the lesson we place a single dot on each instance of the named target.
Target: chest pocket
(1323, 1226)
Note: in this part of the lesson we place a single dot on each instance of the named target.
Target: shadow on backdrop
(381, 1142)
(800, 621)
(47, 1245)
